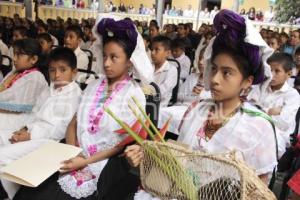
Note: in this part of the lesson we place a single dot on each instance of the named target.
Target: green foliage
(286, 9)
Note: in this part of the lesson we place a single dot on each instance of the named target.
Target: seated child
(20, 88)
(274, 44)
(43, 28)
(1, 75)
(178, 53)
(280, 100)
(3, 48)
(153, 31)
(296, 68)
(193, 88)
(88, 37)
(225, 122)
(19, 32)
(46, 43)
(147, 40)
(55, 108)
(72, 39)
(165, 74)
(93, 129)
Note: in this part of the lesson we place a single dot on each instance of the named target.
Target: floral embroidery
(82, 175)
(92, 149)
(94, 119)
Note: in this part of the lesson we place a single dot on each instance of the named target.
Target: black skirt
(116, 182)
(48, 190)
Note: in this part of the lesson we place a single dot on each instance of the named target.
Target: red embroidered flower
(92, 149)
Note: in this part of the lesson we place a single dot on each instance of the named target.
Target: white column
(198, 13)
(28, 4)
(159, 11)
(101, 6)
(236, 5)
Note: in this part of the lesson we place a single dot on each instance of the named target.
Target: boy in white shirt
(178, 53)
(55, 108)
(19, 32)
(165, 74)
(280, 100)
(3, 46)
(72, 40)
(43, 28)
(3, 51)
(296, 69)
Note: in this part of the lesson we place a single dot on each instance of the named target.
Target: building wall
(246, 4)
(135, 3)
(184, 4)
(258, 4)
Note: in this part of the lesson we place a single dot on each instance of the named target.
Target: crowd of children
(235, 89)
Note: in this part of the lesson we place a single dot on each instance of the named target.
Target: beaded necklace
(13, 78)
(95, 118)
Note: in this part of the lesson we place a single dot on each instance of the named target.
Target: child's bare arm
(80, 161)
(71, 136)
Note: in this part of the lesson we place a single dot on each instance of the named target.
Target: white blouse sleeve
(22, 95)
(262, 157)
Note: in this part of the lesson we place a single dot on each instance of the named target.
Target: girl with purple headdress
(226, 122)
(92, 128)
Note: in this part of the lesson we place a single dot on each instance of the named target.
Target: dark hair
(88, 26)
(124, 44)
(146, 37)
(45, 36)
(43, 25)
(128, 18)
(155, 26)
(298, 31)
(284, 59)
(153, 21)
(231, 32)
(276, 38)
(32, 47)
(28, 46)
(185, 26)
(297, 82)
(209, 33)
(178, 43)
(284, 34)
(76, 29)
(63, 54)
(22, 30)
(165, 41)
(238, 57)
(189, 26)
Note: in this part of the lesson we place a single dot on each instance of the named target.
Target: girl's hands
(134, 155)
(20, 136)
(75, 163)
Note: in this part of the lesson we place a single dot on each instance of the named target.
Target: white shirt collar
(283, 89)
(77, 51)
(163, 68)
(63, 90)
(181, 57)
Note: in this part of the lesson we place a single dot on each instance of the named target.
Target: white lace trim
(143, 195)
(69, 184)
